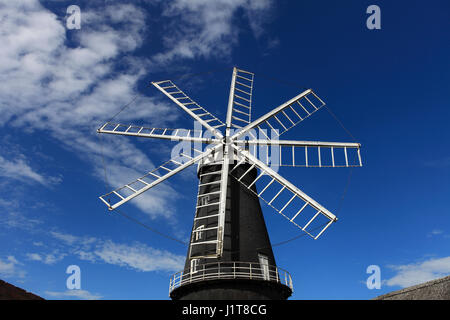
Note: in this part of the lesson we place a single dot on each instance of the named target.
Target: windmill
(229, 254)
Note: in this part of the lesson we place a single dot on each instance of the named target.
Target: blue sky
(389, 87)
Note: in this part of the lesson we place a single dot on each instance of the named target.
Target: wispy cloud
(435, 232)
(416, 273)
(137, 256)
(10, 267)
(47, 258)
(77, 294)
(18, 169)
(153, 202)
(65, 237)
(13, 216)
(208, 28)
(69, 91)
(438, 233)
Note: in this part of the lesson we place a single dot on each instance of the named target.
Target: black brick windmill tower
(229, 254)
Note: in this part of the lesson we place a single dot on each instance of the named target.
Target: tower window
(204, 200)
(264, 266)
(199, 233)
(194, 264)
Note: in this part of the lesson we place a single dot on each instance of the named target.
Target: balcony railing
(230, 270)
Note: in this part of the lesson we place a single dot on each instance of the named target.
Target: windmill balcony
(231, 270)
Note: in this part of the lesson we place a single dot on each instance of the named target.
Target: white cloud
(258, 13)
(137, 256)
(416, 273)
(78, 294)
(204, 28)
(67, 238)
(10, 268)
(69, 91)
(34, 256)
(154, 201)
(435, 232)
(48, 258)
(13, 216)
(18, 169)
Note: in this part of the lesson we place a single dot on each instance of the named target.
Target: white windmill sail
(285, 116)
(196, 111)
(124, 194)
(288, 200)
(294, 199)
(308, 153)
(240, 100)
(157, 133)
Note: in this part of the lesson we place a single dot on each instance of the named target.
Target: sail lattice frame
(229, 147)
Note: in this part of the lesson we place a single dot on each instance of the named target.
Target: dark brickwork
(245, 237)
